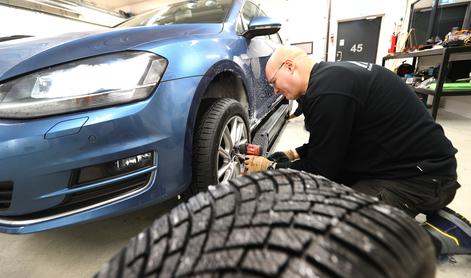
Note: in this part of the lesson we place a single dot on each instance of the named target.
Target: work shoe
(451, 230)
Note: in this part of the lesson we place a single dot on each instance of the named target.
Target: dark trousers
(425, 194)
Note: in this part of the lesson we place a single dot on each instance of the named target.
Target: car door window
(239, 26)
(276, 38)
(249, 11)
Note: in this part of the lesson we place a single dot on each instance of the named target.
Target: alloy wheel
(228, 159)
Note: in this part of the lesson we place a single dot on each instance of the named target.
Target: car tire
(210, 136)
(278, 223)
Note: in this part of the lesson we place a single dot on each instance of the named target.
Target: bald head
(282, 54)
(288, 70)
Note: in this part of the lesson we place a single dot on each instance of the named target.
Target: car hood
(21, 56)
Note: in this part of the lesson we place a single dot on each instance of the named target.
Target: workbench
(439, 56)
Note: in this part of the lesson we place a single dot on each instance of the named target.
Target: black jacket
(365, 123)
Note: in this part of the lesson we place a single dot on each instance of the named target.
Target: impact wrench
(247, 149)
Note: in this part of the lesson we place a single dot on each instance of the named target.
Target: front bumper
(39, 156)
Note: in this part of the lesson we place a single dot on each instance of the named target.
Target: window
(275, 38)
(239, 26)
(249, 11)
(199, 11)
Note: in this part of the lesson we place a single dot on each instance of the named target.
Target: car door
(259, 49)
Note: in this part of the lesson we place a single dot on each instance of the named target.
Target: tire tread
(267, 224)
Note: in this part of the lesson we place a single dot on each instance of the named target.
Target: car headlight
(89, 83)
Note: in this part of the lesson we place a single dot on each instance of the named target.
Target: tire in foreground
(278, 223)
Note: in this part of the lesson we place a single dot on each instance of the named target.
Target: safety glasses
(273, 79)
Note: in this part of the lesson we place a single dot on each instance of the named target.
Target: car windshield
(198, 11)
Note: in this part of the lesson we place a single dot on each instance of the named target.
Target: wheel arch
(226, 79)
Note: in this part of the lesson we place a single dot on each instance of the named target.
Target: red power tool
(247, 149)
(250, 149)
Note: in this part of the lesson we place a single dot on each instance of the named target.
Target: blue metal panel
(64, 128)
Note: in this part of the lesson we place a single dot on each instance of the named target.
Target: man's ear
(290, 64)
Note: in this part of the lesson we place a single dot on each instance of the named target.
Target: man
(367, 130)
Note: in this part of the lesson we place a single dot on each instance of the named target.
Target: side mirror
(262, 26)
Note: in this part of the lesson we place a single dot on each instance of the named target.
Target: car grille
(6, 189)
(97, 195)
(89, 197)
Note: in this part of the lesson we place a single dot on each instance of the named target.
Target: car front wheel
(219, 132)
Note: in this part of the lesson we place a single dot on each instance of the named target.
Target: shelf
(454, 51)
(420, 53)
(446, 54)
(424, 91)
(444, 93)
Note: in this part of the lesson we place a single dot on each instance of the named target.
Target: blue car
(95, 124)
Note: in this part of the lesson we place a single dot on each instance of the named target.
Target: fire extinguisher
(392, 49)
(397, 29)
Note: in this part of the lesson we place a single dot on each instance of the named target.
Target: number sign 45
(357, 48)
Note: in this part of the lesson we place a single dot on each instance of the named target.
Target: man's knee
(368, 187)
(393, 199)
(388, 192)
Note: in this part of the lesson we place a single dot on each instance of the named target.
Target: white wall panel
(303, 21)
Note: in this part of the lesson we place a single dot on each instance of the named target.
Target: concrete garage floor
(80, 250)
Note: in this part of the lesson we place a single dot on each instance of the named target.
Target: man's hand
(292, 154)
(279, 157)
(282, 159)
(257, 163)
(285, 156)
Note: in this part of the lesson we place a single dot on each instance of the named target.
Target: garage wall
(345, 10)
(303, 21)
(24, 22)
